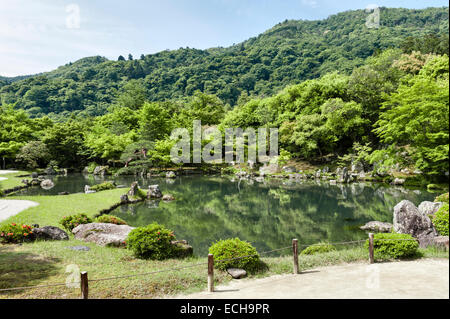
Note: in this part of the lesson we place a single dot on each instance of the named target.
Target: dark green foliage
(103, 186)
(440, 220)
(110, 219)
(234, 248)
(318, 249)
(151, 242)
(288, 53)
(391, 245)
(72, 221)
(15, 233)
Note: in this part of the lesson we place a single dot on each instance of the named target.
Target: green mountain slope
(288, 53)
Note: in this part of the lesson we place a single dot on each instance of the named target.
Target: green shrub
(91, 167)
(392, 245)
(110, 219)
(2, 193)
(234, 248)
(72, 221)
(103, 186)
(440, 220)
(442, 198)
(151, 242)
(318, 249)
(15, 233)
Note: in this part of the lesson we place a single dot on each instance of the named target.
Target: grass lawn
(12, 179)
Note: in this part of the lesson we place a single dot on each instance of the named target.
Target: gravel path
(423, 278)
(12, 207)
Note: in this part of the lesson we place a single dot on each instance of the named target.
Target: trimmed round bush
(392, 245)
(233, 248)
(440, 220)
(110, 219)
(15, 233)
(318, 249)
(151, 242)
(103, 186)
(72, 221)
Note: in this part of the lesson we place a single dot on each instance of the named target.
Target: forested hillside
(289, 53)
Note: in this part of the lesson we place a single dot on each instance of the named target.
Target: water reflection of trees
(268, 214)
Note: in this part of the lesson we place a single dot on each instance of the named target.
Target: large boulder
(409, 220)
(154, 192)
(133, 189)
(268, 169)
(236, 273)
(429, 208)
(171, 174)
(378, 226)
(357, 167)
(100, 170)
(103, 234)
(343, 175)
(47, 184)
(50, 233)
(50, 171)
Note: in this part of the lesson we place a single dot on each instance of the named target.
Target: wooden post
(84, 285)
(210, 273)
(295, 252)
(371, 259)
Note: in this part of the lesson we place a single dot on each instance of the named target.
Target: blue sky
(40, 35)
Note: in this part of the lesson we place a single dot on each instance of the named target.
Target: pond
(268, 214)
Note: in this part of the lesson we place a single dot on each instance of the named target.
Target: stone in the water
(236, 273)
(124, 198)
(100, 170)
(47, 184)
(378, 226)
(170, 174)
(168, 197)
(50, 171)
(79, 248)
(133, 189)
(34, 175)
(50, 233)
(398, 181)
(154, 192)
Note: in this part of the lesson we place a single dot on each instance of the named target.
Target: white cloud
(310, 3)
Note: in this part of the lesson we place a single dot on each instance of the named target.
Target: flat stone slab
(79, 248)
(236, 273)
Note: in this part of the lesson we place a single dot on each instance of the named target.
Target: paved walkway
(424, 278)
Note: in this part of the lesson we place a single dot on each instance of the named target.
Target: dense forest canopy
(378, 96)
(289, 53)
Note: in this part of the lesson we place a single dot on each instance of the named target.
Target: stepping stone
(79, 248)
(236, 273)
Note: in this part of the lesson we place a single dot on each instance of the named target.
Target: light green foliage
(234, 248)
(72, 221)
(318, 249)
(392, 245)
(442, 198)
(103, 186)
(440, 220)
(151, 242)
(33, 155)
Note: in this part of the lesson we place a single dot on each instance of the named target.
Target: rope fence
(84, 281)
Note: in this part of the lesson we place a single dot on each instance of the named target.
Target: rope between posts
(31, 287)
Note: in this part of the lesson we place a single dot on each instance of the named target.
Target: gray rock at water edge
(168, 197)
(124, 199)
(85, 170)
(317, 174)
(50, 233)
(47, 184)
(236, 273)
(79, 248)
(102, 234)
(289, 169)
(398, 181)
(325, 170)
(133, 189)
(429, 208)
(87, 190)
(268, 169)
(332, 182)
(377, 226)
(409, 220)
(34, 175)
(50, 171)
(171, 174)
(357, 167)
(35, 182)
(100, 170)
(154, 192)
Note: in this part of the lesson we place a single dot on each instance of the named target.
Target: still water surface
(266, 214)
